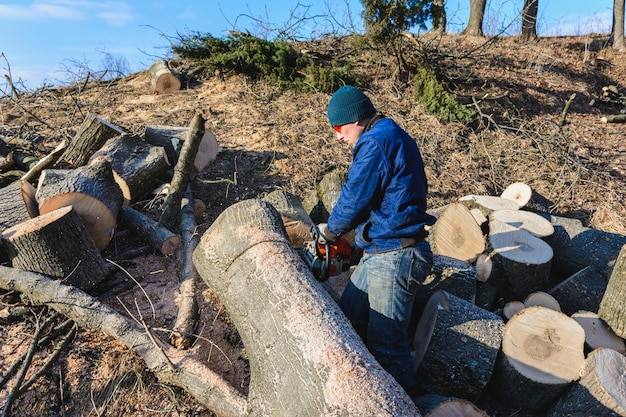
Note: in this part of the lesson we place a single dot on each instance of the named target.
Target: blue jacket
(384, 198)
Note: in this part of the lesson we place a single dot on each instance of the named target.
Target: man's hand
(325, 235)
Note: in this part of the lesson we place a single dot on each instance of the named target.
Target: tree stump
(577, 247)
(91, 135)
(524, 258)
(439, 406)
(612, 307)
(137, 165)
(170, 138)
(600, 391)
(158, 237)
(582, 291)
(162, 78)
(457, 235)
(597, 333)
(17, 204)
(305, 357)
(91, 190)
(56, 244)
(461, 352)
(542, 353)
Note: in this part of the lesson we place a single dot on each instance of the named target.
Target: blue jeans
(378, 300)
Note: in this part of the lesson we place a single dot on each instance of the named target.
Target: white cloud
(114, 13)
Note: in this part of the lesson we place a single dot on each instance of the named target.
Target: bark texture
(612, 307)
(91, 135)
(582, 291)
(305, 357)
(158, 237)
(475, 23)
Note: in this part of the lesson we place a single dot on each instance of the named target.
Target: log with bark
(612, 307)
(162, 78)
(297, 222)
(137, 166)
(33, 174)
(525, 259)
(171, 138)
(581, 291)
(577, 247)
(56, 244)
(170, 216)
(158, 237)
(17, 204)
(457, 357)
(305, 357)
(91, 190)
(92, 134)
(542, 353)
(600, 391)
(457, 235)
(320, 202)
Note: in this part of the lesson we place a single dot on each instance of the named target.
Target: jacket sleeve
(363, 190)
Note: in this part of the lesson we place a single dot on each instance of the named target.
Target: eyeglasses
(338, 128)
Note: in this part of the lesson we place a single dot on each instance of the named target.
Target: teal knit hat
(348, 105)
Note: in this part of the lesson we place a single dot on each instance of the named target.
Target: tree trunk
(56, 244)
(17, 204)
(91, 190)
(475, 22)
(525, 259)
(460, 353)
(457, 235)
(439, 16)
(577, 247)
(597, 333)
(617, 33)
(319, 204)
(612, 307)
(137, 166)
(600, 391)
(158, 237)
(171, 139)
(582, 291)
(91, 135)
(170, 365)
(529, 19)
(439, 406)
(542, 352)
(305, 357)
(162, 79)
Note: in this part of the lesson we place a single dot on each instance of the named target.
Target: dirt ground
(275, 139)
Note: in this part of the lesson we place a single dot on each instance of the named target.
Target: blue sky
(55, 40)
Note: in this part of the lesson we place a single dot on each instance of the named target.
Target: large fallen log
(305, 357)
(91, 190)
(137, 166)
(542, 353)
(170, 365)
(297, 222)
(56, 244)
(600, 391)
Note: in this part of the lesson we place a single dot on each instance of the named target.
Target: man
(384, 200)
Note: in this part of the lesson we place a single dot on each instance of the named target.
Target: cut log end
(518, 245)
(518, 192)
(457, 235)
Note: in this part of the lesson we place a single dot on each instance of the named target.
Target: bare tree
(529, 19)
(475, 23)
(617, 33)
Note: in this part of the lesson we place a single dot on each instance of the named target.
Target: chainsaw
(324, 258)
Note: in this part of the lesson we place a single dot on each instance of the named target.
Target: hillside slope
(275, 139)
